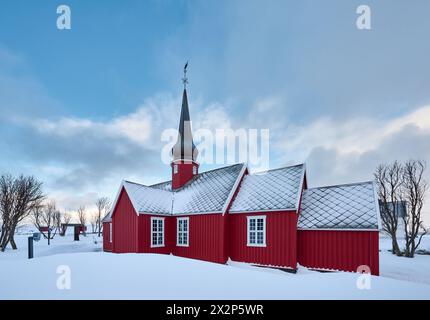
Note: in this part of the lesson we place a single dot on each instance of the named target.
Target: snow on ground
(99, 275)
(414, 270)
(59, 245)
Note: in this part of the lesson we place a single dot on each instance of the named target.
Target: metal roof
(207, 192)
(277, 189)
(352, 206)
(147, 199)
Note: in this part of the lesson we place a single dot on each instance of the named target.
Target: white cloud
(136, 127)
(350, 151)
(358, 135)
(336, 152)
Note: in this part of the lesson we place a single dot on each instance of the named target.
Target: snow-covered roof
(147, 199)
(277, 189)
(207, 192)
(352, 206)
(107, 217)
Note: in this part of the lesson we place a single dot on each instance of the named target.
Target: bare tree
(414, 187)
(103, 204)
(62, 220)
(82, 218)
(94, 222)
(47, 216)
(389, 181)
(18, 198)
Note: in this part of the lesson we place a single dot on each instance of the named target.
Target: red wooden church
(268, 219)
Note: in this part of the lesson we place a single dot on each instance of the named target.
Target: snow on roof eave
(276, 169)
(107, 217)
(234, 189)
(378, 212)
(123, 185)
(338, 229)
(179, 214)
(299, 192)
(265, 210)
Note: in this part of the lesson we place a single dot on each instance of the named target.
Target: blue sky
(84, 108)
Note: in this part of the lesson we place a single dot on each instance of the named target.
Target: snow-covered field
(98, 275)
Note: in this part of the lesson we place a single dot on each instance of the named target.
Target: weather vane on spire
(185, 79)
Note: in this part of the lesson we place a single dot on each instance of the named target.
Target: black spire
(184, 149)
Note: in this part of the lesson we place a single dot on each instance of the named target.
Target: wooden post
(30, 247)
(76, 232)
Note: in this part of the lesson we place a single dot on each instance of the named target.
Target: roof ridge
(145, 186)
(159, 183)
(225, 167)
(276, 169)
(342, 185)
(208, 171)
(139, 184)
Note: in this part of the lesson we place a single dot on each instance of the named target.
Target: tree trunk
(5, 240)
(12, 240)
(395, 246)
(2, 234)
(410, 249)
(3, 244)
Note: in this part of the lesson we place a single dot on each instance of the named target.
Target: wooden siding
(339, 250)
(281, 236)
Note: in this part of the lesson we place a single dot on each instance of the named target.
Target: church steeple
(184, 152)
(184, 149)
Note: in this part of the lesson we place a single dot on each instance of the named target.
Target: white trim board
(157, 232)
(234, 189)
(300, 191)
(248, 218)
(291, 210)
(187, 219)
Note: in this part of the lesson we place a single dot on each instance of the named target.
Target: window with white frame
(110, 232)
(157, 232)
(194, 170)
(175, 168)
(183, 227)
(256, 231)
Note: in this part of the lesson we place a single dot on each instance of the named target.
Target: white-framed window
(175, 168)
(194, 170)
(183, 232)
(157, 232)
(256, 230)
(110, 232)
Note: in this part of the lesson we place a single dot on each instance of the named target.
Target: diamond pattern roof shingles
(350, 206)
(206, 193)
(272, 190)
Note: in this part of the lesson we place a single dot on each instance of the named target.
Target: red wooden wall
(281, 237)
(107, 245)
(206, 238)
(185, 173)
(214, 237)
(125, 226)
(339, 250)
(145, 235)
